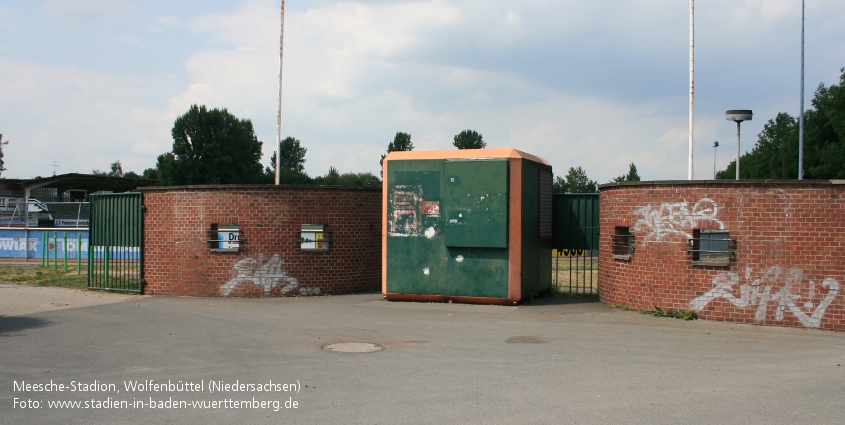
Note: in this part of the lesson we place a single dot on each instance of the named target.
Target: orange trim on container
(384, 193)
(515, 231)
(465, 154)
(446, 298)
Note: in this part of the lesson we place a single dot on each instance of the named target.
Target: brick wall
(270, 262)
(789, 267)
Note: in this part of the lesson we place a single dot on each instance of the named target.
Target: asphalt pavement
(71, 356)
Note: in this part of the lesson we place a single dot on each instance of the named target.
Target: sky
(598, 84)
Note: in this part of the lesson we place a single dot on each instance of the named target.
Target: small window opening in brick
(314, 238)
(711, 247)
(622, 243)
(224, 237)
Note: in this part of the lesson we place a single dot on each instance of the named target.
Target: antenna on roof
(56, 164)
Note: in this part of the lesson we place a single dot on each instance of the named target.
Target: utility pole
(279, 116)
(691, 81)
(801, 112)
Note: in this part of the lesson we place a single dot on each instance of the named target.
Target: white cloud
(597, 84)
(90, 12)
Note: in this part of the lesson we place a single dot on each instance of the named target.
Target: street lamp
(715, 145)
(738, 116)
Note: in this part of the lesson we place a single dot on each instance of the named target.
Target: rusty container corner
(471, 226)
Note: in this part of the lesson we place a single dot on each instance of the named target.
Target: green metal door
(476, 203)
(575, 241)
(115, 260)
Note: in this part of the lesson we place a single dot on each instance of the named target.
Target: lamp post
(715, 145)
(279, 116)
(738, 116)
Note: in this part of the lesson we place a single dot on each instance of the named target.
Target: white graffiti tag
(775, 286)
(268, 275)
(675, 218)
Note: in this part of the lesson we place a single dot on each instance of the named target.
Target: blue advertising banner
(14, 244)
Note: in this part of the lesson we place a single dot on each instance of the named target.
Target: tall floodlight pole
(279, 116)
(691, 79)
(801, 112)
(738, 116)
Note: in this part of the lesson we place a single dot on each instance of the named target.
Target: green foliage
(293, 155)
(334, 178)
(115, 170)
(330, 179)
(211, 147)
(359, 180)
(775, 155)
(401, 142)
(150, 174)
(659, 312)
(2, 167)
(291, 177)
(292, 164)
(576, 181)
(131, 175)
(632, 175)
(469, 139)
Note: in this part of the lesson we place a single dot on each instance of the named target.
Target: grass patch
(567, 264)
(38, 275)
(658, 312)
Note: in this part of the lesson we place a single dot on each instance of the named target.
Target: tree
(131, 175)
(116, 170)
(330, 179)
(292, 164)
(632, 175)
(775, 154)
(2, 168)
(469, 139)
(401, 142)
(293, 155)
(576, 181)
(150, 174)
(358, 180)
(211, 147)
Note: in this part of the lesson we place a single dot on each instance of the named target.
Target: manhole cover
(353, 347)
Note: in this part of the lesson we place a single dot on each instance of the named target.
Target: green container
(466, 226)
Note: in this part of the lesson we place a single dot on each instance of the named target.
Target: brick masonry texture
(789, 267)
(270, 262)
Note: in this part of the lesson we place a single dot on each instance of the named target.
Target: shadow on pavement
(564, 300)
(10, 325)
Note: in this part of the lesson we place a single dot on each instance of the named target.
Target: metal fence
(575, 262)
(44, 214)
(115, 260)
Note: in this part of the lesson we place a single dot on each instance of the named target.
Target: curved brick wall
(179, 261)
(789, 267)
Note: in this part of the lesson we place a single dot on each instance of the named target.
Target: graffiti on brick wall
(675, 218)
(783, 291)
(268, 275)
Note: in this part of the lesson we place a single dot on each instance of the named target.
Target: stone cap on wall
(235, 187)
(790, 183)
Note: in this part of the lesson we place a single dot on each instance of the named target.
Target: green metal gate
(575, 264)
(115, 260)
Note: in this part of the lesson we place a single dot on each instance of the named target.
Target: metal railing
(575, 261)
(49, 214)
